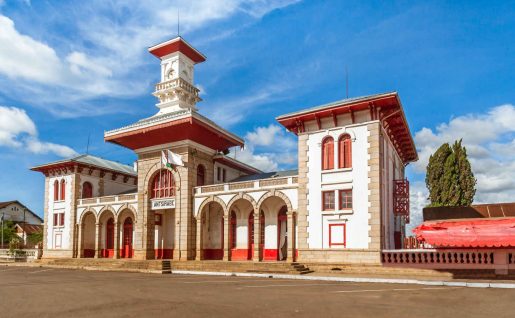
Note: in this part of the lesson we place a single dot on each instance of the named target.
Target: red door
(251, 236)
(109, 238)
(127, 238)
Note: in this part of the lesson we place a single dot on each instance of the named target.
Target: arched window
(63, 189)
(344, 151)
(163, 185)
(56, 190)
(328, 153)
(87, 190)
(201, 172)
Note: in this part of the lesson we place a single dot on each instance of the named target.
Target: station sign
(161, 204)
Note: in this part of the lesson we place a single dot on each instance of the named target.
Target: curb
(355, 279)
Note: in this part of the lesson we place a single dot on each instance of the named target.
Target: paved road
(48, 292)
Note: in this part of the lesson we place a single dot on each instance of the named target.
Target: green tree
(449, 176)
(35, 238)
(435, 174)
(466, 180)
(9, 232)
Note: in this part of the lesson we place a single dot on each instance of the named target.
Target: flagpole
(3, 214)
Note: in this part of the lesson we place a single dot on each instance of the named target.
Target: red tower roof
(174, 45)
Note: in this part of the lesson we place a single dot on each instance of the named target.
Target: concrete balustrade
(500, 260)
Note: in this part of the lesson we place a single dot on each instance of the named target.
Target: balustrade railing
(233, 186)
(459, 257)
(177, 83)
(20, 255)
(108, 199)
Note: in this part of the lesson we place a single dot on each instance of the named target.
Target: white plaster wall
(89, 232)
(242, 229)
(59, 207)
(212, 234)
(117, 186)
(270, 230)
(230, 173)
(355, 178)
(392, 170)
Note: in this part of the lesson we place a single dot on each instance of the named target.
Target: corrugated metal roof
(336, 103)
(266, 175)
(98, 162)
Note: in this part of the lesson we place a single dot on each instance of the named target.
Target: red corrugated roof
(476, 233)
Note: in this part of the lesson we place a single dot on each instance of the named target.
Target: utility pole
(3, 214)
(24, 233)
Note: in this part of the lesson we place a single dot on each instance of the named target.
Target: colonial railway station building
(347, 201)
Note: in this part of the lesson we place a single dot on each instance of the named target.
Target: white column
(290, 225)
(198, 254)
(227, 243)
(97, 240)
(257, 236)
(116, 240)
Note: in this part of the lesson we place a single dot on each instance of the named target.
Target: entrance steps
(295, 268)
(242, 267)
(370, 270)
(104, 264)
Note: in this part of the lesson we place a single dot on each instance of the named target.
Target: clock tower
(176, 90)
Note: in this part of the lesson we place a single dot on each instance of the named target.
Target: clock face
(170, 74)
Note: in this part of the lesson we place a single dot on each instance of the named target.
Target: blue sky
(71, 69)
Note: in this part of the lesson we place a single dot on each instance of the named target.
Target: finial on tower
(176, 90)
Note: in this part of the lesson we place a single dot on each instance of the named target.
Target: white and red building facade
(346, 202)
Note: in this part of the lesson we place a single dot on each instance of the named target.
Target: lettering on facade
(161, 204)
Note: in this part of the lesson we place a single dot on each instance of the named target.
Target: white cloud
(17, 130)
(106, 55)
(418, 200)
(490, 142)
(269, 148)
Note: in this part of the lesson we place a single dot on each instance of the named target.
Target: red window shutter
(344, 152)
(56, 190)
(348, 153)
(87, 190)
(63, 189)
(331, 155)
(61, 223)
(327, 153)
(55, 219)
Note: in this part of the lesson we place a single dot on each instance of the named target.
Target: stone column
(198, 254)
(116, 239)
(97, 240)
(257, 236)
(80, 242)
(290, 224)
(227, 242)
(501, 262)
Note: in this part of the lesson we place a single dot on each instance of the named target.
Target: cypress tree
(435, 174)
(466, 179)
(449, 177)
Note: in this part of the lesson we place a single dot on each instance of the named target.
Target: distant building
(24, 231)
(18, 213)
